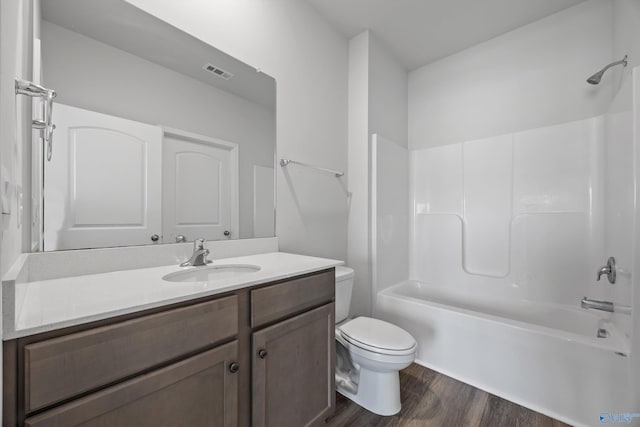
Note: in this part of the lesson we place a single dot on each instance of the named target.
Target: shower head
(595, 79)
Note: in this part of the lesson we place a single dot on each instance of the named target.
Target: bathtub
(543, 356)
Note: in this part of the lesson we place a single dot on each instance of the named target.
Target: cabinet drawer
(278, 301)
(199, 391)
(66, 366)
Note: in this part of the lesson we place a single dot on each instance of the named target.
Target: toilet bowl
(370, 353)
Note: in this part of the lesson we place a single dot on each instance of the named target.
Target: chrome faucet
(597, 305)
(199, 256)
(608, 270)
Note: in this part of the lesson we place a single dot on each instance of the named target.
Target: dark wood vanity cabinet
(293, 370)
(60, 368)
(261, 356)
(198, 391)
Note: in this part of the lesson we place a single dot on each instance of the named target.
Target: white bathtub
(545, 357)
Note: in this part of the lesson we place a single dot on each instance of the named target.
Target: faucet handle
(609, 270)
(603, 271)
(198, 244)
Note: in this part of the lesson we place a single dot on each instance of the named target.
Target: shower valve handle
(609, 270)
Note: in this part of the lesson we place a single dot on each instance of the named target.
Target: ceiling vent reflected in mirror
(217, 71)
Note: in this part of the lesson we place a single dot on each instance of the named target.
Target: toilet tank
(344, 286)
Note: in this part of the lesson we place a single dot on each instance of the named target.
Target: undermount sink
(209, 273)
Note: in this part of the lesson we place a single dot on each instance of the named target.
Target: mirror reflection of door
(113, 58)
(117, 182)
(200, 187)
(103, 183)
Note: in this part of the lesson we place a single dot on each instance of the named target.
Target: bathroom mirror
(160, 137)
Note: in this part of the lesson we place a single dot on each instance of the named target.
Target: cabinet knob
(155, 238)
(234, 367)
(262, 353)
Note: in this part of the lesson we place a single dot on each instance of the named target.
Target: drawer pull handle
(262, 353)
(234, 367)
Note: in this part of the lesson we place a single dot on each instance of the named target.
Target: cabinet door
(293, 370)
(64, 367)
(199, 391)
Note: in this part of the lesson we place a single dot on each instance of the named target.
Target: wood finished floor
(432, 399)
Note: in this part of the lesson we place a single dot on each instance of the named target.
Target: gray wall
(92, 75)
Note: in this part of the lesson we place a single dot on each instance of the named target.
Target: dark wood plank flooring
(432, 399)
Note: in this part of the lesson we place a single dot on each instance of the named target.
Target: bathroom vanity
(260, 354)
(100, 325)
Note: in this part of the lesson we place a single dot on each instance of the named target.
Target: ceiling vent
(217, 71)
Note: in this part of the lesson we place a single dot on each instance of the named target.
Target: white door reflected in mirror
(107, 186)
(199, 187)
(103, 187)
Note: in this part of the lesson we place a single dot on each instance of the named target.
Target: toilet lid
(377, 334)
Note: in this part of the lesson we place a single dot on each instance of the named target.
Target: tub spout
(597, 305)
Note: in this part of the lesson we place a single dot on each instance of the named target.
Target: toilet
(369, 354)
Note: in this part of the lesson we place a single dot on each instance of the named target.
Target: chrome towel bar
(285, 162)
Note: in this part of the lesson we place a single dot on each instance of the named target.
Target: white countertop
(47, 305)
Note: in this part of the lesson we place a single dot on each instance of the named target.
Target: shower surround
(505, 237)
(518, 215)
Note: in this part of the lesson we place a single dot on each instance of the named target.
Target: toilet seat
(377, 336)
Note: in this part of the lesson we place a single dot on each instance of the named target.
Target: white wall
(377, 105)
(626, 36)
(358, 255)
(531, 77)
(388, 115)
(288, 40)
(390, 213)
(92, 75)
(388, 96)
